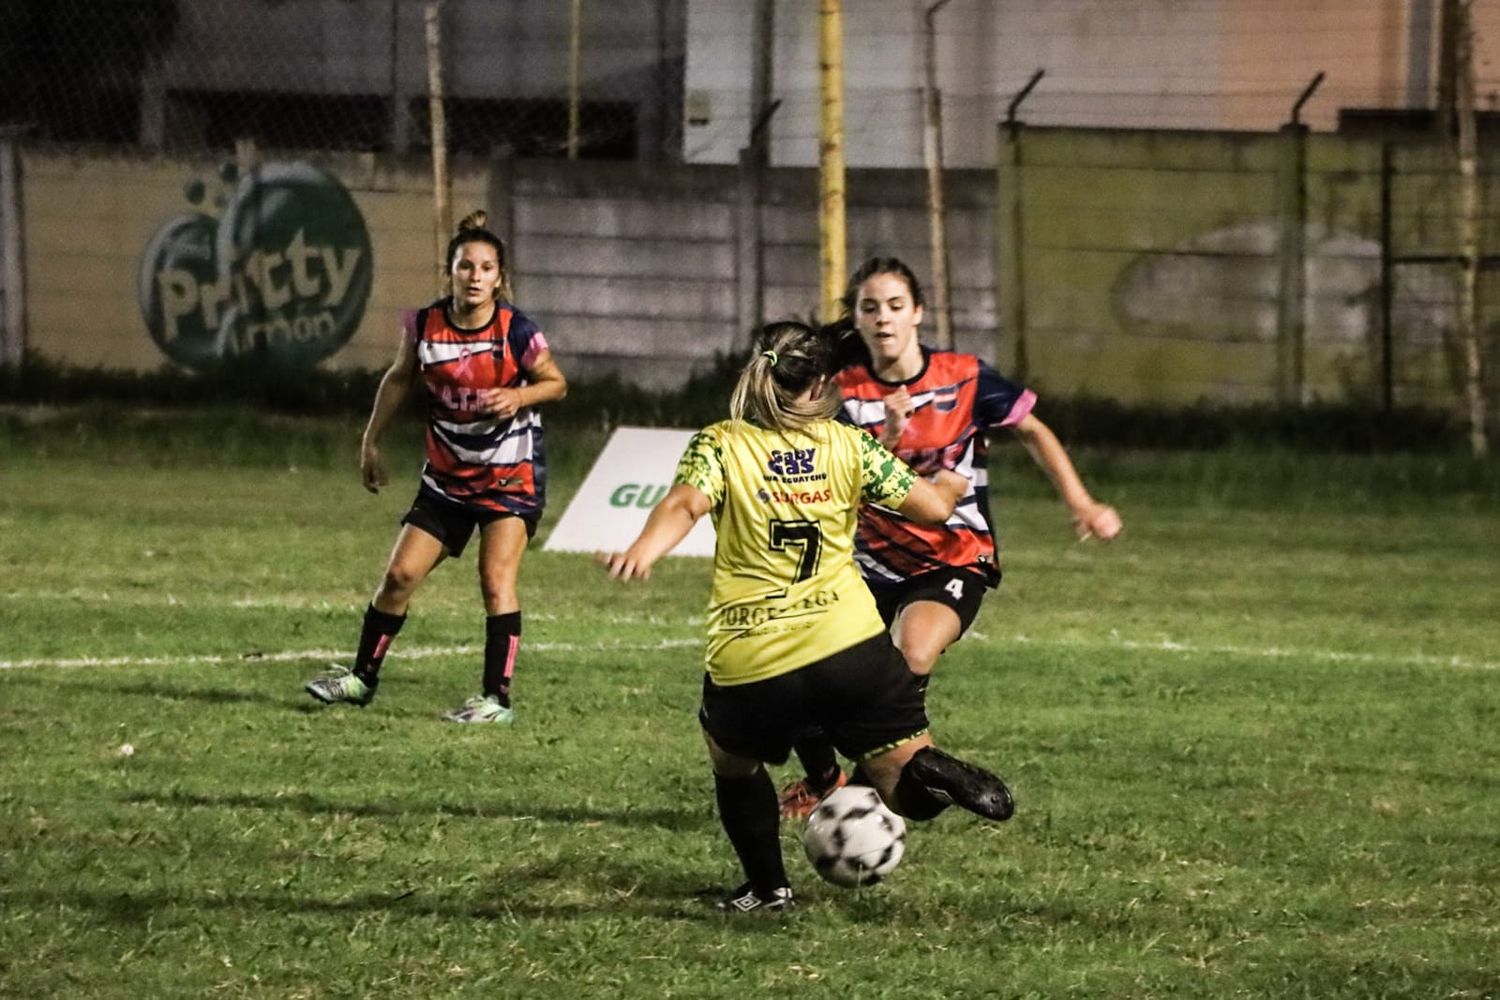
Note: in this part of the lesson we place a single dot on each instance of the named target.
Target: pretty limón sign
(281, 275)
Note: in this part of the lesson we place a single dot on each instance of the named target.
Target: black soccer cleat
(746, 900)
(957, 782)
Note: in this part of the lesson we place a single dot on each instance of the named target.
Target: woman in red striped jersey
(484, 366)
(932, 408)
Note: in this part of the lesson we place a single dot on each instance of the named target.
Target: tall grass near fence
(1252, 744)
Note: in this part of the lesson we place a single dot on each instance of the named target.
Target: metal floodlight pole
(932, 152)
(832, 233)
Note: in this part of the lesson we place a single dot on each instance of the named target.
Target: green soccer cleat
(340, 684)
(486, 708)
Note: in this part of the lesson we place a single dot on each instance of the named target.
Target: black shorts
(453, 523)
(865, 698)
(960, 589)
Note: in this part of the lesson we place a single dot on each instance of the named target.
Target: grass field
(1254, 745)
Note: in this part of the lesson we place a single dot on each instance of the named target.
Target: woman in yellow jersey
(794, 638)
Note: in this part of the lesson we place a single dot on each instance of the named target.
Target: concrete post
(749, 258)
(1291, 260)
(1010, 286)
(500, 205)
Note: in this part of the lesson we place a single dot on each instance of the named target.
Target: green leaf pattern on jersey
(887, 479)
(702, 465)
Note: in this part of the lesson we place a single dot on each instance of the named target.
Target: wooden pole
(832, 234)
(442, 210)
(13, 275)
(762, 78)
(1470, 220)
(575, 36)
(400, 125)
(932, 152)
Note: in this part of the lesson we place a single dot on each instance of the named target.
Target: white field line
(1248, 652)
(297, 655)
(429, 603)
(291, 602)
(1114, 643)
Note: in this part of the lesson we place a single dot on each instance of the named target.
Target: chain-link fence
(675, 79)
(586, 78)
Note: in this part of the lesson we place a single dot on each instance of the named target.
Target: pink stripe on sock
(381, 647)
(510, 656)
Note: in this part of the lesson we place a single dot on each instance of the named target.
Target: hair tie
(772, 355)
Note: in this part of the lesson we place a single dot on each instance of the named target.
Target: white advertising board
(631, 474)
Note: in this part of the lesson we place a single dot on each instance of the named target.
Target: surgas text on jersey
(801, 496)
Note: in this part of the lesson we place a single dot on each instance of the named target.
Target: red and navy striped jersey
(956, 399)
(474, 459)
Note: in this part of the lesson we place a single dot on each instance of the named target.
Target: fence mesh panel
(141, 76)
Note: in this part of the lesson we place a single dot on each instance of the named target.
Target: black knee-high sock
(375, 637)
(502, 640)
(818, 760)
(747, 809)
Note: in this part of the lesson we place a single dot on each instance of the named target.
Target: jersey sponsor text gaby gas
(786, 592)
(473, 458)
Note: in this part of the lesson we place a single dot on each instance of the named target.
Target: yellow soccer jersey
(786, 591)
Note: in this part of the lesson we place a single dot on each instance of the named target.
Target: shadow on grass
(664, 898)
(291, 698)
(635, 819)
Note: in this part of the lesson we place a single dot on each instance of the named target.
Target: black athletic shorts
(865, 698)
(453, 523)
(960, 589)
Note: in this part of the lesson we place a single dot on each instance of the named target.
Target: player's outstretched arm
(931, 501)
(669, 524)
(1091, 519)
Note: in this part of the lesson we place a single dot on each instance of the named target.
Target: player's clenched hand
(898, 410)
(624, 565)
(372, 468)
(1097, 520)
(501, 403)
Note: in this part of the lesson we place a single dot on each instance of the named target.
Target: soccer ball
(852, 839)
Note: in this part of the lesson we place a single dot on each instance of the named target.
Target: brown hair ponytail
(472, 230)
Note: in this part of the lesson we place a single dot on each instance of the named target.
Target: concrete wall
(1139, 266)
(635, 269)
(629, 268)
(1149, 266)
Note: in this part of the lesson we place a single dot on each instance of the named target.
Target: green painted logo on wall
(282, 275)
